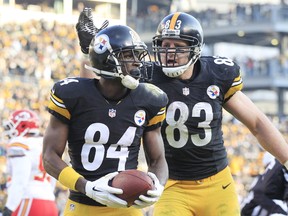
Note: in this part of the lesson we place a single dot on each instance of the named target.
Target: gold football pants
(212, 196)
(77, 209)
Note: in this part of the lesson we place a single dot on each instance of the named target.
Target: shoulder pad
(17, 147)
(65, 82)
(155, 95)
(226, 67)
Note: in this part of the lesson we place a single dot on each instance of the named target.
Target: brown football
(133, 183)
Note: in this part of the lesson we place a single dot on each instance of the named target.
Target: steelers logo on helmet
(213, 91)
(101, 43)
(140, 117)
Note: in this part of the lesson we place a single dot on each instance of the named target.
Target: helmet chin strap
(177, 71)
(126, 80)
(129, 81)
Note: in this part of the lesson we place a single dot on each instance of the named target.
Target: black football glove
(86, 29)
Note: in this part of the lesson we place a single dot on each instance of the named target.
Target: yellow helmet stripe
(173, 20)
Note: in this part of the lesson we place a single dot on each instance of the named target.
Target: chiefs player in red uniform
(30, 188)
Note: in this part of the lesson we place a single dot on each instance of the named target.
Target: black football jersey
(192, 131)
(104, 136)
(271, 185)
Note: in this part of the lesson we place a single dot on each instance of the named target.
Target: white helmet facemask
(175, 71)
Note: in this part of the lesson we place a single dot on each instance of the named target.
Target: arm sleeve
(21, 169)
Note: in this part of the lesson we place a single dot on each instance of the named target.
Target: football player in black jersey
(104, 121)
(268, 194)
(200, 181)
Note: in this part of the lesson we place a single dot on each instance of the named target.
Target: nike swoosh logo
(94, 189)
(225, 186)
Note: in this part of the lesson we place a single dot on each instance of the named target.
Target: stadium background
(39, 45)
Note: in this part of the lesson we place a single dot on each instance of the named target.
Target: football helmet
(112, 48)
(181, 26)
(21, 123)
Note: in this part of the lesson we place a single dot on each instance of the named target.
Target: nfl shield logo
(112, 113)
(186, 91)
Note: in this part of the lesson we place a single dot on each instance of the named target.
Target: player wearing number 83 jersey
(198, 88)
(194, 146)
(200, 182)
(104, 136)
(193, 139)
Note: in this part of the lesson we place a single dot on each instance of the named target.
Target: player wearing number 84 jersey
(104, 121)
(106, 137)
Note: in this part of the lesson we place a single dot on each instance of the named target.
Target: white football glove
(152, 195)
(101, 192)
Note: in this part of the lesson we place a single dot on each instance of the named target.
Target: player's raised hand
(86, 29)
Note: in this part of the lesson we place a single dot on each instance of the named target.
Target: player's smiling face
(177, 52)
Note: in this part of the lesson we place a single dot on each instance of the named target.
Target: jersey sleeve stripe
(158, 118)
(57, 101)
(237, 81)
(237, 85)
(162, 110)
(57, 105)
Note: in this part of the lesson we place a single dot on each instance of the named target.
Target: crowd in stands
(33, 55)
(237, 14)
(147, 21)
(36, 53)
